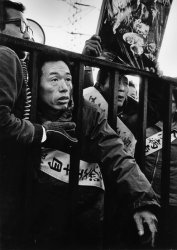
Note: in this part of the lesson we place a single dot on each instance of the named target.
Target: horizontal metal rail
(87, 60)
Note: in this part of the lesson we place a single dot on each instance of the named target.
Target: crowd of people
(40, 151)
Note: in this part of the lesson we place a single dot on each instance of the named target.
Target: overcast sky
(168, 52)
(59, 19)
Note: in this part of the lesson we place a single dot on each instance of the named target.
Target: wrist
(44, 135)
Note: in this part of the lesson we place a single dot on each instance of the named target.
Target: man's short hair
(4, 5)
(45, 57)
(131, 84)
(103, 74)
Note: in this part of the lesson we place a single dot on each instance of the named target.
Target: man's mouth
(120, 98)
(63, 99)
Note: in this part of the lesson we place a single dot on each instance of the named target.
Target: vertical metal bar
(77, 113)
(112, 109)
(166, 149)
(112, 119)
(142, 123)
(1, 15)
(78, 78)
(1, 195)
(166, 154)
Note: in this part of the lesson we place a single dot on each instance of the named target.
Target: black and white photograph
(88, 125)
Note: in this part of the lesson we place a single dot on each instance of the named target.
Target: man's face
(122, 91)
(55, 85)
(13, 28)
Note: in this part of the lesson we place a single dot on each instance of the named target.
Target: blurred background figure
(153, 166)
(133, 91)
(127, 110)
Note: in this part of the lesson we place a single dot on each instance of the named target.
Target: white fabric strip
(57, 164)
(154, 142)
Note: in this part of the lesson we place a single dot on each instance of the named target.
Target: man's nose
(121, 87)
(62, 87)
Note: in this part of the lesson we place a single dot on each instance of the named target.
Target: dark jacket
(128, 113)
(15, 136)
(101, 144)
(121, 175)
(154, 164)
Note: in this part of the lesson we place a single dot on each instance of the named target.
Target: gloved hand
(60, 135)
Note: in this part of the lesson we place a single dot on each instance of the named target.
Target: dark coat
(154, 164)
(121, 175)
(16, 134)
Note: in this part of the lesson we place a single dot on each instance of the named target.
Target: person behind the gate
(102, 158)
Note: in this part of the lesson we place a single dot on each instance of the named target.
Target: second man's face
(55, 85)
(122, 91)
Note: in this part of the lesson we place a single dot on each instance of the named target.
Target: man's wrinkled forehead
(55, 66)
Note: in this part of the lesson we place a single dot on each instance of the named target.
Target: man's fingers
(68, 125)
(151, 220)
(146, 222)
(152, 227)
(93, 45)
(139, 224)
(91, 51)
(96, 37)
(153, 239)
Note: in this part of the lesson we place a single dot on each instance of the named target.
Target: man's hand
(143, 218)
(92, 46)
(60, 135)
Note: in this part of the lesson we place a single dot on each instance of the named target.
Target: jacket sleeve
(120, 170)
(11, 80)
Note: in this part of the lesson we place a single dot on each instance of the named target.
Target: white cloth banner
(92, 95)
(154, 142)
(57, 164)
(127, 137)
